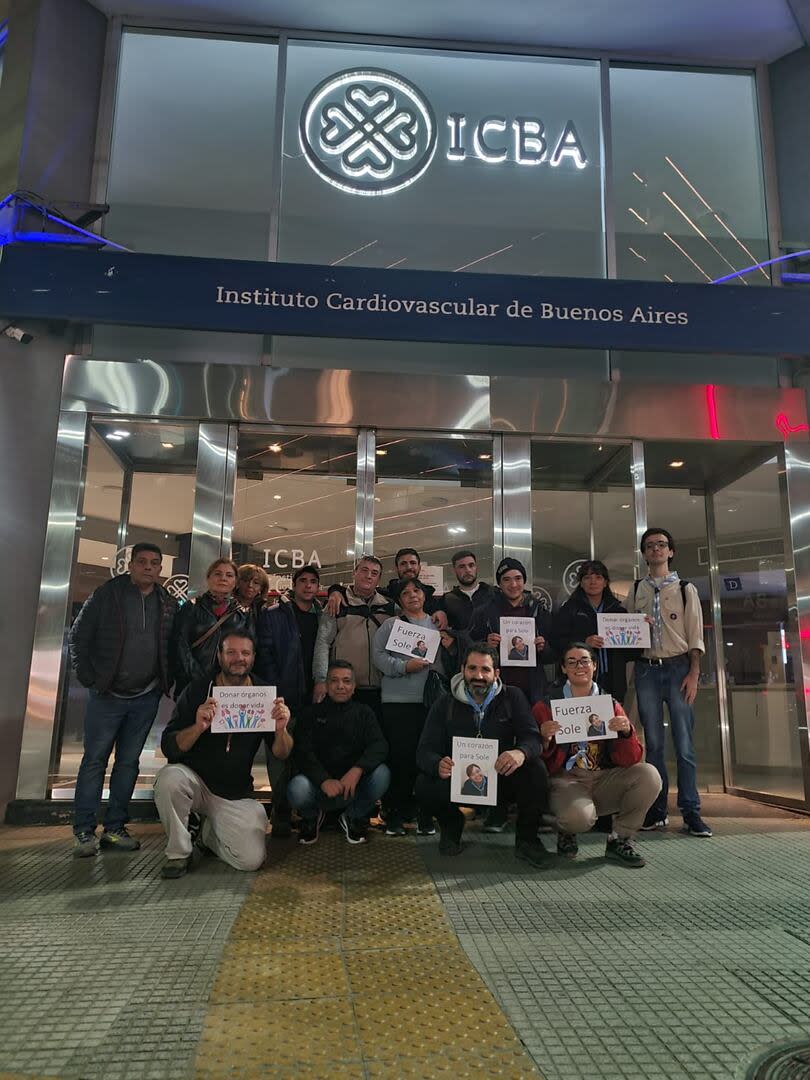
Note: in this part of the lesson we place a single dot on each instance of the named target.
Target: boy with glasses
(669, 672)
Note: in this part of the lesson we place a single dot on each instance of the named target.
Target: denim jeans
(656, 684)
(110, 722)
(307, 799)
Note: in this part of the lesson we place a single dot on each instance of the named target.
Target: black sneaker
(174, 868)
(654, 821)
(425, 825)
(694, 825)
(393, 824)
(356, 831)
(119, 840)
(84, 845)
(533, 851)
(450, 841)
(567, 845)
(496, 821)
(310, 828)
(622, 850)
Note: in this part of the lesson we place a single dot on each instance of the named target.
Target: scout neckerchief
(658, 620)
(587, 755)
(479, 708)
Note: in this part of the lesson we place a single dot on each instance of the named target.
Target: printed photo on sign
(473, 780)
(623, 631)
(583, 719)
(517, 642)
(244, 708)
(416, 642)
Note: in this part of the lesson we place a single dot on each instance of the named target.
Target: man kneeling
(589, 779)
(340, 752)
(209, 773)
(479, 705)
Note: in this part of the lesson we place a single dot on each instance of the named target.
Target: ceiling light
(625, 506)
(167, 445)
(381, 453)
(485, 457)
(111, 435)
(105, 558)
(349, 551)
(275, 447)
(276, 496)
(676, 464)
(122, 434)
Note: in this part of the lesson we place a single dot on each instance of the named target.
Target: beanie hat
(509, 564)
(306, 570)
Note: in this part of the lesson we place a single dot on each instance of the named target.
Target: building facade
(287, 441)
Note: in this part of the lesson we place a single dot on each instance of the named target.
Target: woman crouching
(592, 778)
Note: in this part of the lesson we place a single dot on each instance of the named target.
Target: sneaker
(694, 825)
(425, 825)
(356, 831)
(450, 842)
(533, 851)
(393, 825)
(310, 828)
(174, 868)
(84, 845)
(654, 821)
(567, 845)
(496, 821)
(622, 850)
(119, 839)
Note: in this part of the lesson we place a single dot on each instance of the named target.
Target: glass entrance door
(751, 590)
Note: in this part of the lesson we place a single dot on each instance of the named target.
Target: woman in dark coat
(576, 621)
(201, 624)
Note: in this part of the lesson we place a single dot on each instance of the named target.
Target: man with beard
(480, 706)
(465, 599)
(209, 773)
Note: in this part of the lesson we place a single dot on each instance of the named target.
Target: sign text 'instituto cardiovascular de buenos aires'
(373, 132)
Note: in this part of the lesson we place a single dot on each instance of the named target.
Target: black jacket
(97, 636)
(223, 761)
(461, 608)
(280, 659)
(193, 619)
(575, 621)
(333, 737)
(392, 590)
(486, 621)
(507, 719)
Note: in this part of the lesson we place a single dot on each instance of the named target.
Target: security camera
(18, 335)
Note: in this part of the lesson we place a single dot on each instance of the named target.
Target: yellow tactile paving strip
(341, 964)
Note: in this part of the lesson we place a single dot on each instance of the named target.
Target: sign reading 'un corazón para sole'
(407, 305)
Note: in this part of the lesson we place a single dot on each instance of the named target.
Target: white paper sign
(620, 631)
(583, 719)
(473, 780)
(432, 575)
(517, 642)
(243, 709)
(417, 642)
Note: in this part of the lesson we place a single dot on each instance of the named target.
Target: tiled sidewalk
(679, 970)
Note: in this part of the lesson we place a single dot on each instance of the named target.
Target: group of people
(359, 725)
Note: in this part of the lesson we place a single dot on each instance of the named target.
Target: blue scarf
(658, 619)
(479, 708)
(580, 760)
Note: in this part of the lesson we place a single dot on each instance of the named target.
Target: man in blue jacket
(286, 649)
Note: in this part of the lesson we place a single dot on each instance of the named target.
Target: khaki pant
(234, 829)
(578, 797)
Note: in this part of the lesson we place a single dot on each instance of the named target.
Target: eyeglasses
(582, 661)
(650, 544)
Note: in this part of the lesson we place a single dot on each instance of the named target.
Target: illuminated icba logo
(372, 132)
(368, 132)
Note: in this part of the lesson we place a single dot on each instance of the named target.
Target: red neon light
(711, 409)
(786, 427)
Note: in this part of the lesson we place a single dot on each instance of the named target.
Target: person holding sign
(210, 773)
(404, 677)
(340, 752)
(576, 620)
(590, 779)
(481, 707)
(514, 601)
